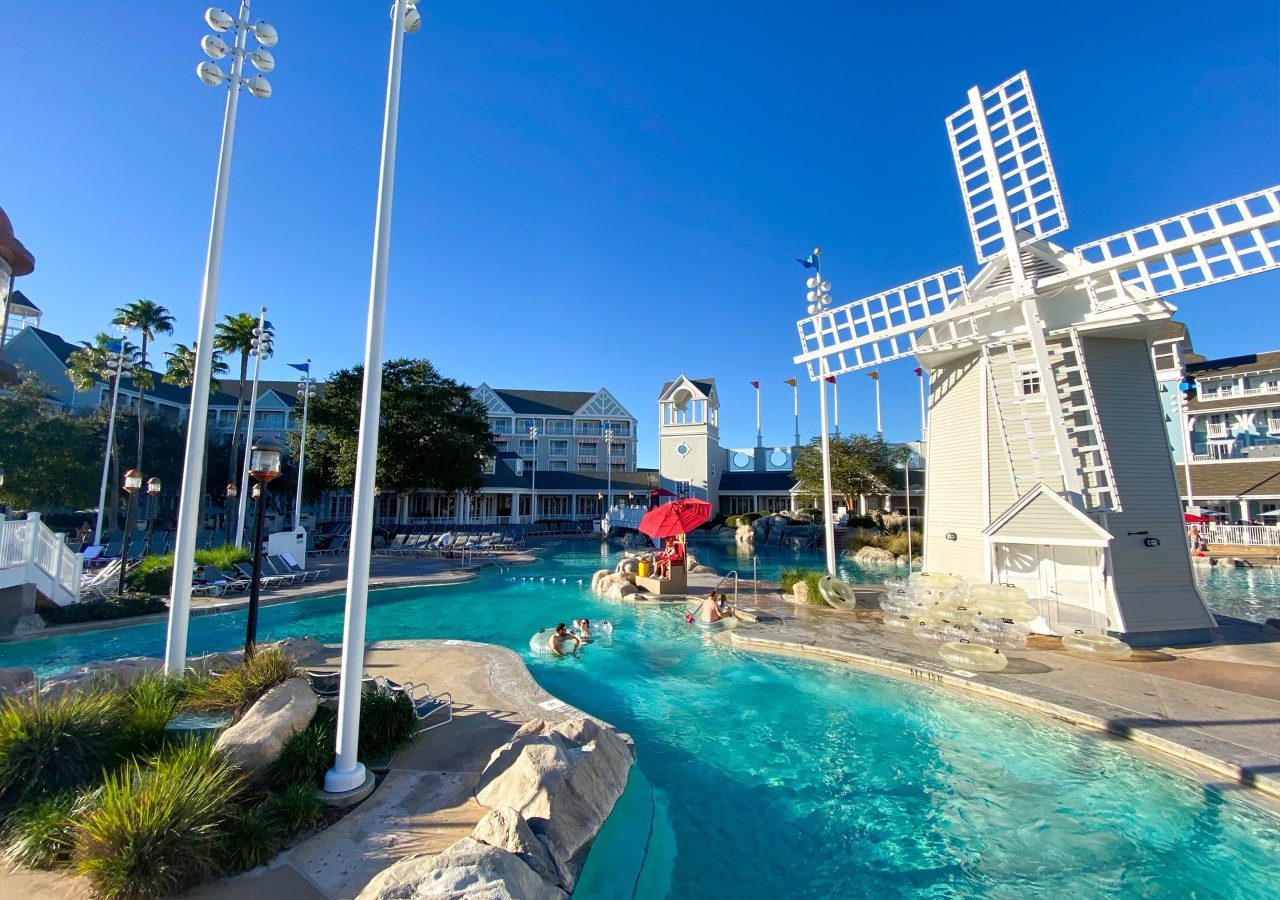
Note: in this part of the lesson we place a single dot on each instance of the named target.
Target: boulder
(800, 592)
(468, 868)
(627, 565)
(563, 779)
(256, 741)
(700, 569)
(605, 585)
(16, 680)
(120, 672)
(596, 579)
(869, 554)
(28, 624)
(744, 534)
(506, 829)
(302, 648)
(620, 591)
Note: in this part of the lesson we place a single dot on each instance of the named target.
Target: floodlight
(259, 87)
(262, 59)
(266, 34)
(813, 308)
(412, 20)
(210, 74)
(219, 19)
(811, 295)
(214, 46)
(811, 282)
(826, 286)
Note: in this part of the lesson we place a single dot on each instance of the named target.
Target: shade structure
(1193, 519)
(661, 492)
(679, 517)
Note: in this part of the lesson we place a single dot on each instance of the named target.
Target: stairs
(32, 554)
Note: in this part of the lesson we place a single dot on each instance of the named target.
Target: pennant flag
(831, 379)
(809, 262)
(873, 375)
(756, 385)
(301, 367)
(919, 372)
(790, 382)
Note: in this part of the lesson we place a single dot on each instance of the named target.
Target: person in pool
(559, 638)
(713, 609)
(583, 627)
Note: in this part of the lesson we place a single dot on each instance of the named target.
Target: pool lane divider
(1130, 726)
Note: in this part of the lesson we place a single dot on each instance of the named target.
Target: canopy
(679, 517)
(1192, 518)
(661, 492)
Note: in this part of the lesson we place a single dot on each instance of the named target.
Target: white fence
(1261, 535)
(32, 554)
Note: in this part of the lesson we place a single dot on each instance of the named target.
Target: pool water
(770, 777)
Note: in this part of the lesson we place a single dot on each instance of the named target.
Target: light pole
(260, 348)
(264, 465)
(875, 376)
(191, 500)
(795, 402)
(819, 297)
(533, 477)
(153, 490)
(835, 404)
(111, 431)
(306, 390)
(608, 461)
(348, 773)
(924, 417)
(132, 484)
(906, 474)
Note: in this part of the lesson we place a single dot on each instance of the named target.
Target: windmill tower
(1047, 458)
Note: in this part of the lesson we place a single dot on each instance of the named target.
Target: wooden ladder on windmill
(1080, 413)
(1024, 420)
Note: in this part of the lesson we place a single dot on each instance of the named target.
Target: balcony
(559, 428)
(1273, 426)
(1272, 387)
(589, 428)
(1217, 431)
(500, 427)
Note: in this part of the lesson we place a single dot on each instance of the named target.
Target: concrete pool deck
(1216, 706)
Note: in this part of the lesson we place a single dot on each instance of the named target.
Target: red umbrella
(661, 492)
(1193, 519)
(679, 517)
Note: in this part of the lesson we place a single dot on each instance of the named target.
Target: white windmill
(1047, 461)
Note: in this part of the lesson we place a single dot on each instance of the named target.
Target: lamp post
(533, 477)
(608, 462)
(106, 453)
(819, 297)
(132, 484)
(192, 496)
(153, 490)
(260, 348)
(264, 465)
(306, 390)
(906, 474)
(348, 773)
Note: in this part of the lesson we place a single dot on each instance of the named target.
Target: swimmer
(559, 638)
(583, 627)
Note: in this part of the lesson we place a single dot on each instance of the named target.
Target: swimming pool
(779, 777)
(1252, 593)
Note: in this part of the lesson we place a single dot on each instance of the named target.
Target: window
(1164, 358)
(558, 465)
(528, 448)
(339, 507)
(586, 464)
(553, 506)
(774, 504)
(683, 488)
(740, 505)
(487, 467)
(559, 448)
(1029, 381)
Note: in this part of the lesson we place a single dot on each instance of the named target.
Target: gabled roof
(1237, 365)
(1171, 331)
(1074, 527)
(60, 348)
(544, 403)
(705, 385)
(20, 305)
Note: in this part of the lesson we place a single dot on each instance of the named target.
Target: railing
(720, 583)
(559, 429)
(1260, 535)
(13, 543)
(32, 554)
(1272, 388)
(1216, 430)
(1273, 426)
(589, 429)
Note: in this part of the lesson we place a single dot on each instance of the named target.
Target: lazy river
(776, 777)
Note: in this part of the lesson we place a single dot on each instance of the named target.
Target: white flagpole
(828, 520)
(106, 457)
(759, 433)
(250, 429)
(835, 404)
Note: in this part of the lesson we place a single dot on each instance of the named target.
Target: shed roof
(1232, 479)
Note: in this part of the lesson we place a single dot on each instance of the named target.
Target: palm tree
(94, 362)
(235, 335)
(148, 318)
(180, 370)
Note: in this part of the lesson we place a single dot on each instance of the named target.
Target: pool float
(900, 605)
(837, 593)
(898, 621)
(1001, 633)
(728, 623)
(942, 634)
(930, 587)
(954, 614)
(1098, 646)
(539, 643)
(973, 657)
(599, 629)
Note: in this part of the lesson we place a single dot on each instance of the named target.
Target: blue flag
(809, 262)
(301, 367)
(115, 346)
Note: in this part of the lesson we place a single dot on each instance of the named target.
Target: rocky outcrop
(874, 555)
(744, 534)
(469, 868)
(614, 585)
(16, 680)
(506, 829)
(800, 592)
(256, 741)
(113, 673)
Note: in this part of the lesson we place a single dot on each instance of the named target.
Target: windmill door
(1064, 583)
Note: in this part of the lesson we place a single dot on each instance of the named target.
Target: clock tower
(690, 459)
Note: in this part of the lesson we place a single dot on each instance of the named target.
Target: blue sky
(602, 194)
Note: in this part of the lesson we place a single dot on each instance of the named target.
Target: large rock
(608, 584)
(468, 868)
(597, 577)
(744, 534)
(256, 740)
(16, 680)
(869, 554)
(506, 829)
(28, 624)
(563, 779)
(800, 592)
(627, 565)
(114, 673)
(620, 591)
(301, 649)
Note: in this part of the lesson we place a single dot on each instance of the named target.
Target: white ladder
(1080, 413)
(1027, 448)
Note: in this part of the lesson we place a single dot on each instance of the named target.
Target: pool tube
(942, 634)
(1003, 641)
(997, 593)
(973, 657)
(728, 623)
(601, 628)
(1001, 633)
(1097, 646)
(931, 587)
(954, 614)
(900, 622)
(900, 605)
(538, 643)
(837, 593)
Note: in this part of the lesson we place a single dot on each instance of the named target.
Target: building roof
(20, 305)
(60, 348)
(1171, 331)
(703, 384)
(1256, 401)
(1232, 479)
(1237, 365)
(544, 403)
(505, 477)
(735, 482)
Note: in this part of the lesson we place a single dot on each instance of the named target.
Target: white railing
(32, 554)
(1216, 430)
(1261, 535)
(1273, 426)
(1271, 388)
(625, 517)
(13, 543)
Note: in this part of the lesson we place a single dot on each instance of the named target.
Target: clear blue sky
(609, 194)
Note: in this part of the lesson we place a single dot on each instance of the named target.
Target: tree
(180, 369)
(235, 335)
(50, 458)
(148, 319)
(860, 464)
(434, 434)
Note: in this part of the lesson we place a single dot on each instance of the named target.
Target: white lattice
(1021, 167)
(1217, 243)
(879, 328)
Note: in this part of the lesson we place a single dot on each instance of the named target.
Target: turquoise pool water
(1245, 593)
(775, 777)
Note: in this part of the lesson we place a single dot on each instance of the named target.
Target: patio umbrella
(1193, 519)
(679, 517)
(661, 492)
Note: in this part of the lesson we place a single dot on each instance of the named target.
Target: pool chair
(101, 583)
(265, 580)
(93, 554)
(291, 562)
(271, 567)
(327, 685)
(283, 568)
(231, 581)
(425, 704)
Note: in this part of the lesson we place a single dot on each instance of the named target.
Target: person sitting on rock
(559, 638)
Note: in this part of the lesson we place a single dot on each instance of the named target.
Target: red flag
(756, 385)
(831, 379)
(874, 375)
(919, 372)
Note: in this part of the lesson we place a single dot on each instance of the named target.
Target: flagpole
(795, 399)
(924, 420)
(875, 376)
(106, 457)
(828, 522)
(302, 447)
(759, 434)
(835, 405)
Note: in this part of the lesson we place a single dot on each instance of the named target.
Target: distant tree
(148, 319)
(234, 334)
(51, 460)
(860, 464)
(434, 434)
(180, 368)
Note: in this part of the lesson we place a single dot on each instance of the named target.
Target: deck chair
(265, 579)
(234, 580)
(291, 562)
(102, 582)
(327, 685)
(425, 704)
(271, 567)
(92, 554)
(284, 568)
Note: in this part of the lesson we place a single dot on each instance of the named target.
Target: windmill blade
(999, 148)
(1205, 246)
(879, 328)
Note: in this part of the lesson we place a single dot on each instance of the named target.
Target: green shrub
(154, 574)
(151, 701)
(387, 725)
(152, 831)
(241, 687)
(52, 746)
(894, 543)
(862, 522)
(749, 518)
(295, 807)
(788, 578)
(306, 756)
(100, 610)
(731, 521)
(39, 834)
(251, 838)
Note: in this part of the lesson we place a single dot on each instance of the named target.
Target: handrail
(723, 579)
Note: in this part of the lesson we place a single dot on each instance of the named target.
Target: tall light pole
(265, 466)
(153, 491)
(260, 349)
(533, 477)
(191, 500)
(608, 462)
(835, 404)
(875, 376)
(795, 402)
(111, 431)
(924, 416)
(132, 484)
(306, 390)
(348, 773)
(819, 297)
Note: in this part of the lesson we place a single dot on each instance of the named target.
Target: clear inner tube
(1098, 646)
(973, 657)
(902, 623)
(726, 624)
(941, 634)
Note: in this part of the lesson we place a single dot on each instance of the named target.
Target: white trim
(1041, 489)
(988, 548)
(1048, 542)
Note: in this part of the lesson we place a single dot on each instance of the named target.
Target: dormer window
(1029, 381)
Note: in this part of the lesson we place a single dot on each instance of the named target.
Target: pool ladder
(720, 583)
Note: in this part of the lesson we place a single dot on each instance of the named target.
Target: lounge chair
(425, 704)
(283, 566)
(266, 580)
(292, 564)
(271, 567)
(231, 581)
(327, 685)
(101, 583)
